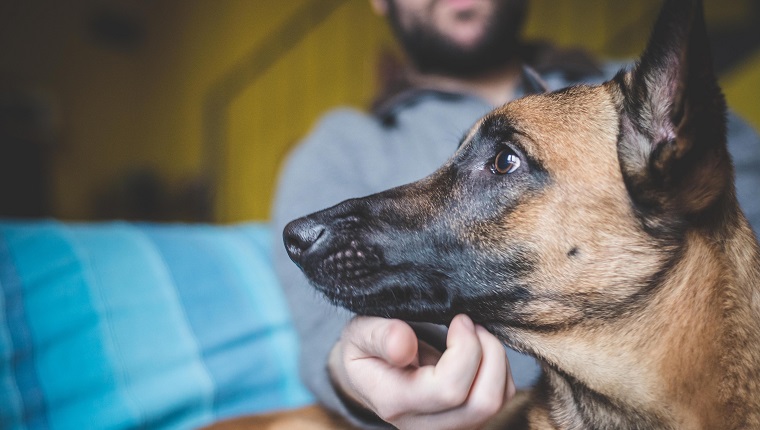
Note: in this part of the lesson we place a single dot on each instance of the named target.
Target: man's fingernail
(468, 322)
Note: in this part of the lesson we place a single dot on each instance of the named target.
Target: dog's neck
(712, 295)
(740, 390)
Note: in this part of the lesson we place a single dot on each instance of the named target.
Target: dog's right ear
(672, 149)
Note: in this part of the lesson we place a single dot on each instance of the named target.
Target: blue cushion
(120, 325)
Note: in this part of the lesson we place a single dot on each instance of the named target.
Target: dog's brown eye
(505, 162)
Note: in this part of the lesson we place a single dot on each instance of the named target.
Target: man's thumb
(391, 340)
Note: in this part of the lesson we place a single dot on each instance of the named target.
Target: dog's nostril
(300, 235)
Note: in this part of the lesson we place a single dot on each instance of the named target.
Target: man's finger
(486, 396)
(447, 385)
(392, 341)
(492, 381)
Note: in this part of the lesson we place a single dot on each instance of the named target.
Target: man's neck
(496, 87)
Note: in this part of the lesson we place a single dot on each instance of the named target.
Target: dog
(595, 228)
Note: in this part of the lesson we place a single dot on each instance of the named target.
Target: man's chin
(466, 37)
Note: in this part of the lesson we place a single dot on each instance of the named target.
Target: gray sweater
(351, 154)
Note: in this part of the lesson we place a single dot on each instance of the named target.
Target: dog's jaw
(379, 264)
(345, 263)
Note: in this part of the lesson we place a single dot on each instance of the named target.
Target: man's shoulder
(336, 133)
(607, 70)
(339, 127)
(342, 117)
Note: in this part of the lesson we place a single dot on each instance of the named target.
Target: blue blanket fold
(121, 325)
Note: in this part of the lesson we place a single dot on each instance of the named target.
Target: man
(465, 58)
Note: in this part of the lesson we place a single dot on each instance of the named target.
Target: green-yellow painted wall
(742, 89)
(334, 66)
(121, 111)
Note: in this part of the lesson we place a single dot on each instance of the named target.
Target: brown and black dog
(595, 228)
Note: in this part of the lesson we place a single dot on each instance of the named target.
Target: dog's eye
(505, 162)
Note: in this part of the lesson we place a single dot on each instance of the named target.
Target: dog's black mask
(418, 252)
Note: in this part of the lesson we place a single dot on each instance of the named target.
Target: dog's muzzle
(330, 256)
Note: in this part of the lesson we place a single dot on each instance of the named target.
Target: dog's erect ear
(672, 149)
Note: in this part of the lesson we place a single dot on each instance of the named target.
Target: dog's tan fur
(708, 309)
(643, 297)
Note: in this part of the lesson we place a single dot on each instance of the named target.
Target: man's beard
(433, 53)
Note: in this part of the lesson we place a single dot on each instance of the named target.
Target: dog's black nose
(300, 235)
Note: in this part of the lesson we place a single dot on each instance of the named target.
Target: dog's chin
(390, 293)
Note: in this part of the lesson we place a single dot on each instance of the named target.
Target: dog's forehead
(570, 125)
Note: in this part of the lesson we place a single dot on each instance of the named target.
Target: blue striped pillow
(120, 325)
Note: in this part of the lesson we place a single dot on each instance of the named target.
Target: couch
(135, 325)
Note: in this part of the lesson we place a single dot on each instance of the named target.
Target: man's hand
(380, 365)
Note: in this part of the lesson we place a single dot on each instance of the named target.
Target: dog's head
(558, 209)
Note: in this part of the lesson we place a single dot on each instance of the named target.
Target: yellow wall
(742, 89)
(334, 66)
(613, 28)
(125, 111)
(122, 111)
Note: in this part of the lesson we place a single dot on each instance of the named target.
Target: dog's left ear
(672, 148)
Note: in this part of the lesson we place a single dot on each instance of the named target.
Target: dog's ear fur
(672, 146)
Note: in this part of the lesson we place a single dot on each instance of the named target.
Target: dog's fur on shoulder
(595, 228)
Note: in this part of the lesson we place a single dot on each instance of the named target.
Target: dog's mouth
(350, 264)
(346, 271)
(396, 301)
(359, 278)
